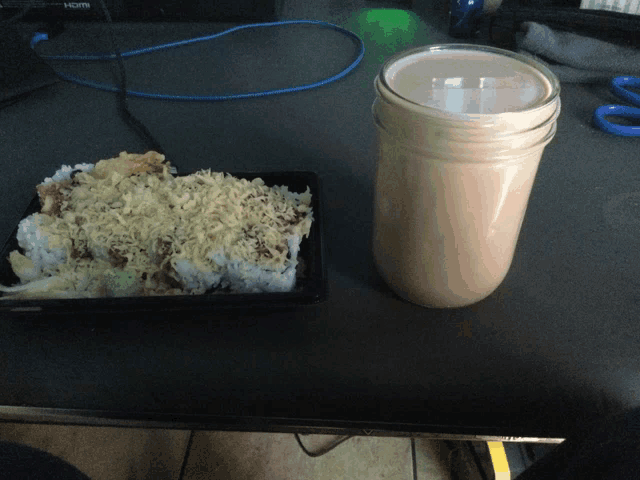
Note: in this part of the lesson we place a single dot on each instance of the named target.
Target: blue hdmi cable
(39, 37)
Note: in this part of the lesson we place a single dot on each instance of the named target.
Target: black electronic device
(21, 70)
(144, 10)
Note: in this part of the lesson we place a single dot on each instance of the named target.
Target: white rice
(196, 280)
(32, 239)
(64, 173)
(238, 276)
(35, 244)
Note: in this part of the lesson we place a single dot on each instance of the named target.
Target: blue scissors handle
(619, 87)
(619, 111)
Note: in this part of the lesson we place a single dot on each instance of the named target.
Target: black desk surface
(555, 346)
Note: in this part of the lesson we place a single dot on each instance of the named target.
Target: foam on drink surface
(468, 82)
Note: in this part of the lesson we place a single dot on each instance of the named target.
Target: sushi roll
(126, 227)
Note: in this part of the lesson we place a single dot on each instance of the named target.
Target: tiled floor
(107, 453)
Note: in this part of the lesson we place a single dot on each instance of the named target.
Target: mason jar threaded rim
(512, 120)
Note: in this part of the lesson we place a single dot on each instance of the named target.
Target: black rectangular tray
(311, 286)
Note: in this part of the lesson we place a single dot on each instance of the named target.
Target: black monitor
(146, 10)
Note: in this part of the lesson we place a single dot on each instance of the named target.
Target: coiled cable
(203, 98)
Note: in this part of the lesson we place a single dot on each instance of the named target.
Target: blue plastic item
(620, 86)
(38, 37)
(464, 16)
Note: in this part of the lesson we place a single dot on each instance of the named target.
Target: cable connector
(38, 37)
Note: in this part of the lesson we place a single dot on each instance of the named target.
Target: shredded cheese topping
(143, 219)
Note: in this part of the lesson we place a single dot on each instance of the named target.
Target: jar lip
(461, 47)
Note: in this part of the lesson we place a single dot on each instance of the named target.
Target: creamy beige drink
(461, 130)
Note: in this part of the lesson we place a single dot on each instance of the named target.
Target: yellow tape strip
(499, 461)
